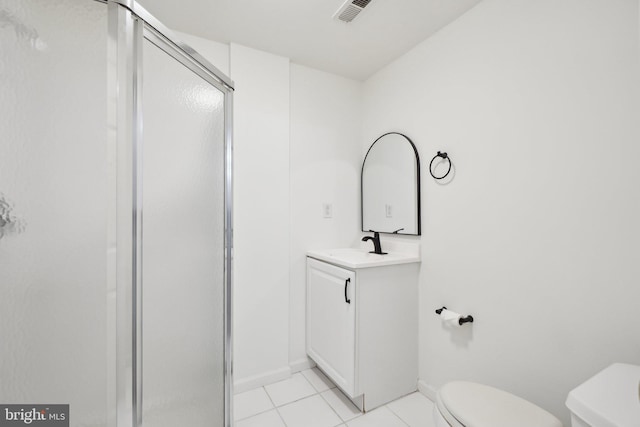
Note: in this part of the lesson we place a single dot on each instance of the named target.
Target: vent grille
(350, 9)
(360, 3)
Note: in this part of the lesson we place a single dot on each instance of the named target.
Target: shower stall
(115, 218)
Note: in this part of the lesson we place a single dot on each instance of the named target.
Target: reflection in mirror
(391, 186)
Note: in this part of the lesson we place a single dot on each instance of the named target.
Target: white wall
(261, 212)
(325, 168)
(537, 234)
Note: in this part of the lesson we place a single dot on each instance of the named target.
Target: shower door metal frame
(129, 25)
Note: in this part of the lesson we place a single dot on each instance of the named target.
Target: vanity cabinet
(331, 321)
(362, 328)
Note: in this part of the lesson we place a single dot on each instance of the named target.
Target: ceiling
(304, 31)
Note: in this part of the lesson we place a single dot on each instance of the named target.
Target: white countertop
(361, 258)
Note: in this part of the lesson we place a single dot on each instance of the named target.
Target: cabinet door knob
(346, 288)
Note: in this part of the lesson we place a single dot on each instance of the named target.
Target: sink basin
(361, 258)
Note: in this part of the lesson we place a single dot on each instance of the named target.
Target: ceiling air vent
(350, 9)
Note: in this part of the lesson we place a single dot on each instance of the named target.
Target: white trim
(431, 392)
(301, 365)
(246, 384)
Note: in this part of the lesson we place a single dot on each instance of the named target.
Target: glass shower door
(114, 218)
(183, 244)
(55, 220)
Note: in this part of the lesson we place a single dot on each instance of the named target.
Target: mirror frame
(418, 199)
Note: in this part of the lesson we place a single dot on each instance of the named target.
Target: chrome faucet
(376, 243)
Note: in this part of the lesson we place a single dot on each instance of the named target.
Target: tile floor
(310, 399)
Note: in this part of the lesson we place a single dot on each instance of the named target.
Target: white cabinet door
(331, 328)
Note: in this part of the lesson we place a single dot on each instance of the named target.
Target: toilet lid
(451, 420)
(477, 405)
(610, 398)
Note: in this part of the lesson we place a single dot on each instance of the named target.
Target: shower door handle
(346, 289)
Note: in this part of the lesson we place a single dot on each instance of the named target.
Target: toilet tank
(611, 398)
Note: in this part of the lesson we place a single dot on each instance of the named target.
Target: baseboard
(246, 384)
(428, 390)
(301, 365)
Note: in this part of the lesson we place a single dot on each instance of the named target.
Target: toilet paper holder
(461, 321)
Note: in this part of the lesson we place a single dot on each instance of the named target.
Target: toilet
(467, 404)
(611, 398)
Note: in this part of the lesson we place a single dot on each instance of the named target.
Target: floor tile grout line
(296, 400)
(305, 378)
(269, 396)
(326, 401)
(334, 411)
(342, 421)
(264, 387)
(254, 415)
(261, 412)
(316, 392)
(339, 417)
(397, 416)
(281, 417)
(274, 406)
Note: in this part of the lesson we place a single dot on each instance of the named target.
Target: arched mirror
(391, 186)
